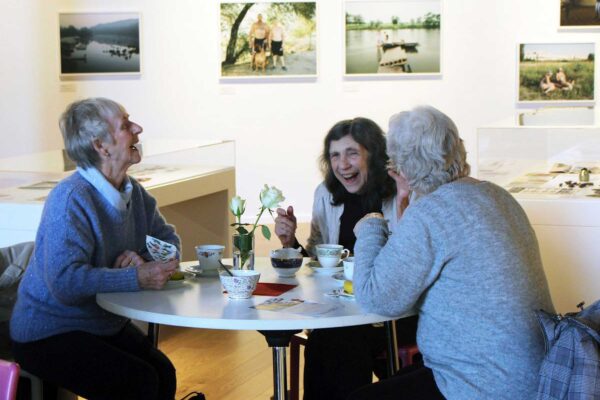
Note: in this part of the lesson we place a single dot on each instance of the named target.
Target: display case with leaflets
(192, 182)
(554, 173)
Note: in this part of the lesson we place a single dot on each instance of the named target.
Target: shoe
(284, 68)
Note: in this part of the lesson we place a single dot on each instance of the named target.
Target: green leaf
(242, 230)
(266, 232)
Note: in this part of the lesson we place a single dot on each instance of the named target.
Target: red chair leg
(406, 354)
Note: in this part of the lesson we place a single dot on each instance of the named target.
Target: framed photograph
(99, 44)
(392, 38)
(576, 14)
(261, 40)
(556, 72)
(557, 116)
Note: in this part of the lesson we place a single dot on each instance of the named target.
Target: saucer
(339, 276)
(317, 268)
(175, 284)
(193, 269)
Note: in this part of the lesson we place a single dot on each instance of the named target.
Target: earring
(107, 154)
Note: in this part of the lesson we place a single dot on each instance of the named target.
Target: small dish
(193, 270)
(317, 268)
(175, 284)
(339, 277)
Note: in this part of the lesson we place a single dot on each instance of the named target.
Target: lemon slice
(348, 287)
(177, 276)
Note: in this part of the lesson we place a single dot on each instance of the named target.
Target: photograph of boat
(392, 37)
(99, 43)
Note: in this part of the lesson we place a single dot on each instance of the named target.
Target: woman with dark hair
(356, 183)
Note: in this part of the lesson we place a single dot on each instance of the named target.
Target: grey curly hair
(85, 121)
(423, 144)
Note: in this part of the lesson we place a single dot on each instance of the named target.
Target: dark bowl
(286, 262)
(286, 258)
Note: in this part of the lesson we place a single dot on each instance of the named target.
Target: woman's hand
(128, 258)
(366, 217)
(285, 226)
(402, 189)
(154, 274)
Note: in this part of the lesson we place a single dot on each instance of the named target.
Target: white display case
(541, 167)
(192, 182)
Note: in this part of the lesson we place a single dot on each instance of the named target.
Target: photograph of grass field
(556, 72)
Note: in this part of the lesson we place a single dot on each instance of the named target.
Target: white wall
(278, 127)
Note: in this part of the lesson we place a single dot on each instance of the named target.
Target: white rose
(237, 206)
(270, 197)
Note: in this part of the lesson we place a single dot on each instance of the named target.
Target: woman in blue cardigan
(91, 239)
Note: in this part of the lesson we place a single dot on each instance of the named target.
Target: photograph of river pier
(99, 43)
(393, 37)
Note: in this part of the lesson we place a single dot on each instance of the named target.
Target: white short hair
(85, 121)
(423, 144)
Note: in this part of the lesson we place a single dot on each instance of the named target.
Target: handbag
(571, 366)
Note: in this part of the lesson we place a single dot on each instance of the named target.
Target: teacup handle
(345, 254)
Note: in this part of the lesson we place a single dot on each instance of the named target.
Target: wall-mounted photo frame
(392, 38)
(557, 116)
(579, 14)
(556, 72)
(268, 40)
(98, 44)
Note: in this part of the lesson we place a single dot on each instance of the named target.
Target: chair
(406, 354)
(9, 379)
(13, 262)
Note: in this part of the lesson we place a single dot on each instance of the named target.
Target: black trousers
(411, 383)
(338, 361)
(123, 366)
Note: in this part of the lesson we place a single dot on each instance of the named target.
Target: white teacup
(349, 268)
(329, 255)
(209, 256)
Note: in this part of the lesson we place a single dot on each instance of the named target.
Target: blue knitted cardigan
(79, 237)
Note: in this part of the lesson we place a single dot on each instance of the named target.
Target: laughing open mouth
(349, 177)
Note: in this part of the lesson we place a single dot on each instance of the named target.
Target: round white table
(199, 302)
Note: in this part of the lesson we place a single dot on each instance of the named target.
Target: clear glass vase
(243, 251)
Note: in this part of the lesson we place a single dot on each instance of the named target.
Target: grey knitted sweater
(467, 259)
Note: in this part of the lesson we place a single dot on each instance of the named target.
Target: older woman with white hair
(91, 239)
(465, 257)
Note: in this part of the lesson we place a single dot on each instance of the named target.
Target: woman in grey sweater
(465, 257)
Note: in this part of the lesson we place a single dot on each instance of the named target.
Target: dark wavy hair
(379, 185)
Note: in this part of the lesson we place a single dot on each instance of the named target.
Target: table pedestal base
(279, 340)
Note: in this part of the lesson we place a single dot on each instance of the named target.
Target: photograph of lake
(393, 37)
(99, 43)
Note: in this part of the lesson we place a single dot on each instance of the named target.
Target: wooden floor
(224, 365)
